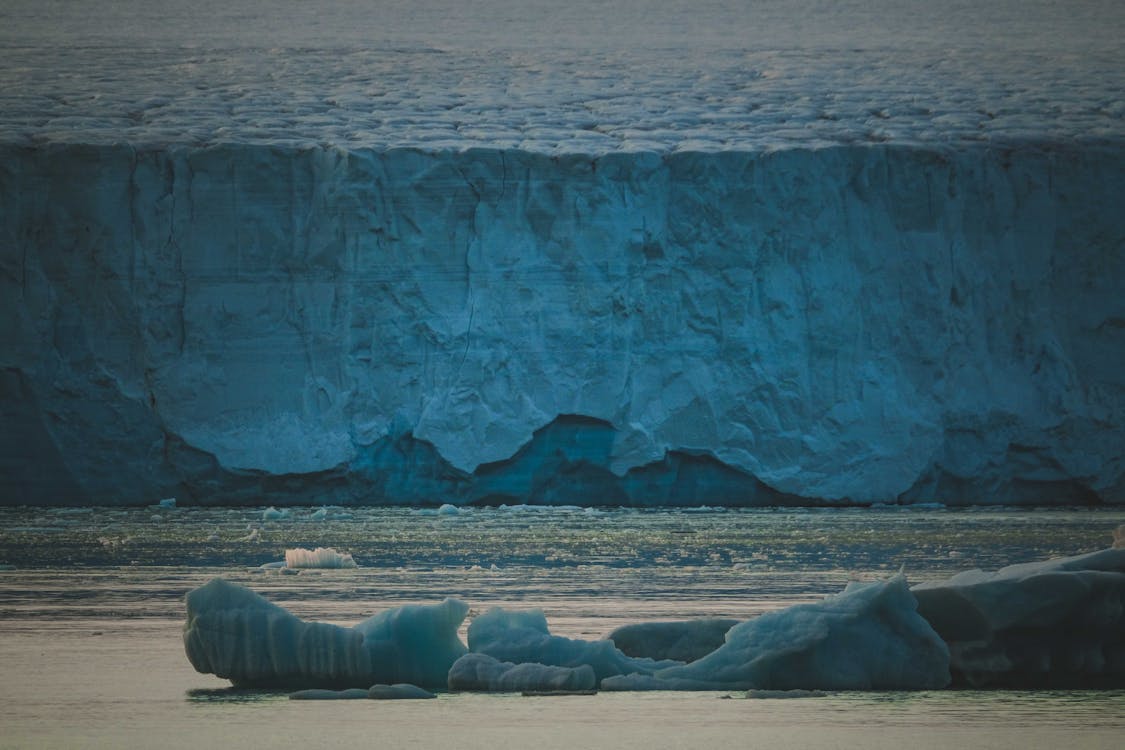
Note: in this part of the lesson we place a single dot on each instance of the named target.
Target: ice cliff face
(846, 324)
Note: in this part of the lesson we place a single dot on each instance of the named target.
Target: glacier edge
(849, 324)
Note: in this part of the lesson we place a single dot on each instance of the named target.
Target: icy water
(91, 614)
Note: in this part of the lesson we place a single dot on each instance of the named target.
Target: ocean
(92, 610)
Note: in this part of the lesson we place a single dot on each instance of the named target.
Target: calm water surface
(90, 620)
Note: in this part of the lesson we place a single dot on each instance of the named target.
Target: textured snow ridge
(846, 324)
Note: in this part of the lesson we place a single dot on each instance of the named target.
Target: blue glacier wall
(862, 324)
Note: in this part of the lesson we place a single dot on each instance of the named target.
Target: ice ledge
(860, 324)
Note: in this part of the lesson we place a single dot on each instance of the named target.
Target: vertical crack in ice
(171, 245)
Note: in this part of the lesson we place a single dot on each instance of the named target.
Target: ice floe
(1057, 623)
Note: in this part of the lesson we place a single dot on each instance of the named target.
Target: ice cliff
(272, 324)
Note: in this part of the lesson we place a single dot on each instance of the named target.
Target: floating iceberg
(321, 557)
(273, 514)
(1058, 623)
(235, 634)
(523, 637)
(869, 637)
(400, 691)
(684, 641)
(484, 673)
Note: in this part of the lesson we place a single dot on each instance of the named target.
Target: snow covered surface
(284, 252)
(589, 77)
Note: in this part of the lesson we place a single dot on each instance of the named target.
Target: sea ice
(273, 514)
(1057, 623)
(523, 637)
(869, 637)
(235, 634)
(321, 557)
(475, 671)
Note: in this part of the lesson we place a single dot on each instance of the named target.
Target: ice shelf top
(581, 77)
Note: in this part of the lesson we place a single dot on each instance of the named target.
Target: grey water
(91, 610)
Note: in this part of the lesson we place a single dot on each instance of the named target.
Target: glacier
(847, 324)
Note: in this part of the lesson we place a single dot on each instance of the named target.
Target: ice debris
(320, 694)
(321, 557)
(523, 637)
(685, 641)
(398, 691)
(484, 673)
(273, 514)
(869, 637)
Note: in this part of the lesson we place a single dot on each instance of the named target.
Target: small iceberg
(321, 557)
(273, 514)
(481, 672)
